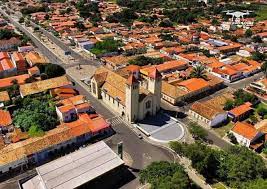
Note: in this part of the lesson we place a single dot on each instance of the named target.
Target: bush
(198, 132)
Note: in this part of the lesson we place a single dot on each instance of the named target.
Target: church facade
(127, 92)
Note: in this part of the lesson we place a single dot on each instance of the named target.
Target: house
(68, 109)
(7, 67)
(34, 71)
(9, 44)
(4, 98)
(166, 67)
(259, 88)
(125, 94)
(34, 58)
(44, 85)
(19, 61)
(245, 133)
(116, 62)
(5, 119)
(178, 91)
(241, 112)
(63, 93)
(38, 150)
(9, 81)
(210, 112)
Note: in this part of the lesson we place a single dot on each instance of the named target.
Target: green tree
(21, 19)
(165, 175)
(258, 56)
(166, 23)
(6, 34)
(197, 131)
(229, 104)
(248, 33)
(232, 138)
(198, 72)
(256, 39)
(264, 68)
(143, 60)
(51, 70)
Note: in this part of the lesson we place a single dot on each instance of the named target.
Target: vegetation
(7, 34)
(258, 56)
(264, 67)
(106, 46)
(262, 110)
(126, 17)
(198, 72)
(235, 166)
(165, 175)
(51, 70)
(89, 10)
(248, 33)
(242, 96)
(198, 132)
(35, 114)
(143, 60)
(229, 104)
(166, 23)
(33, 9)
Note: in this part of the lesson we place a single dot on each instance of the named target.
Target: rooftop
(244, 129)
(76, 169)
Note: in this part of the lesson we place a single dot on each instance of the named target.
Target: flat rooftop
(75, 169)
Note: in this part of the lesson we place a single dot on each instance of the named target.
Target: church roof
(131, 80)
(155, 74)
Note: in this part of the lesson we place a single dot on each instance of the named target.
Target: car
(140, 136)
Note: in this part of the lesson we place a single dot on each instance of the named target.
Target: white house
(207, 114)
(245, 133)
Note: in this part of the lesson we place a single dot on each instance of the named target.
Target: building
(7, 82)
(80, 169)
(210, 112)
(4, 98)
(245, 133)
(5, 119)
(19, 61)
(34, 58)
(259, 88)
(9, 44)
(7, 66)
(132, 97)
(40, 86)
(37, 150)
(241, 112)
(68, 109)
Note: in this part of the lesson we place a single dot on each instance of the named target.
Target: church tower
(132, 98)
(154, 86)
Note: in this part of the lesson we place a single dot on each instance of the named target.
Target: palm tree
(198, 72)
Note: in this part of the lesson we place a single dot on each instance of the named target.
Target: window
(148, 104)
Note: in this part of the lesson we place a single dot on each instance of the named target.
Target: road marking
(115, 120)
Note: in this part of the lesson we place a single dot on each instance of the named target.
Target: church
(128, 92)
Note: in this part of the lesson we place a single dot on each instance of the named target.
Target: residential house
(34, 58)
(5, 120)
(7, 67)
(210, 112)
(19, 61)
(117, 62)
(245, 133)
(44, 85)
(9, 81)
(259, 88)
(9, 44)
(241, 112)
(4, 98)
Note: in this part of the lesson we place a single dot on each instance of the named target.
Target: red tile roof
(244, 129)
(240, 110)
(5, 118)
(6, 82)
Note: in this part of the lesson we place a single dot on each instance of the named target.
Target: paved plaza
(162, 128)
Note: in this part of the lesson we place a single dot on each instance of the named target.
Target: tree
(232, 138)
(248, 33)
(165, 175)
(6, 34)
(35, 112)
(253, 119)
(143, 60)
(258, 56)
(264, 68)
(106, 46)
(197, 131)
(166, 23)
(198, 72)
(21, 19)
(51, 70)
(229, 104)
(46, 16)
(215, 22)
(262, 111)
(256, 39)
(255, 184)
